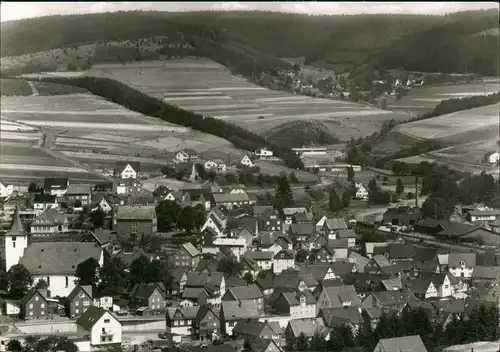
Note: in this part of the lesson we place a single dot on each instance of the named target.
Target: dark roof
(302, 229)
(55, 183)
(104, 236)
(44, 198)
(16, 226)
(126, 212)
(143, 291)
(161, 191)
(338, 316)
(91, 316)
(31, 293)
(79, 188)
(455, 229)
(432, 223)
(401, 344)
(403, 210)
(121, 165)
(194, 193)
(85, 288)
(246, 292)
(486, 272)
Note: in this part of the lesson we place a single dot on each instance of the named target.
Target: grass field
(423, 99)
(208, 88)
(15, 87)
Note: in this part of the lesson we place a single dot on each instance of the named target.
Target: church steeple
(16, 226)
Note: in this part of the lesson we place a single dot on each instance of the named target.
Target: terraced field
(208, 88)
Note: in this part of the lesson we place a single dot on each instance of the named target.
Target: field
(208, 88)
(423, 99)
(15, 87)
(470, 134)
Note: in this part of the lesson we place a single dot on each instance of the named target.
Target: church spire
(16, 227)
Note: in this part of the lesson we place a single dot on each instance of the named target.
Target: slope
(300, 133)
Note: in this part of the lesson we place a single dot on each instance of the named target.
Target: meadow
(208, 88)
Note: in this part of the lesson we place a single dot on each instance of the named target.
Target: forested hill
(253, 41)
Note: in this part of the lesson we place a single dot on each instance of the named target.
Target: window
(31, 305)
(42, 312)
(13, 244)
(82, 295)
(103, 338)
(37, 298)
(31, 313)
(106, 321)
(77, 311)
(42, 305)
(77, 303)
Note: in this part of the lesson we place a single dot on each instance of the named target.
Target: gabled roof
(418, 285)
(486, 272)
(55, 183)
(121, 165)
(196, 279)
(336, 224)
(143, 291)
(44, 198)
(194, 293)
(16, 226)
(455, 229)
(283, 254)
(292, 211)
(58, 258)
(308, 326)
(234, 310)
(381, 260)
(347, 233)
(259, 255)
(339, 294)
(161, 191)
(193, 252)
(454, 259)
(91, 316)
(31, 293)
(87, 289)
(49, 217)
(246, 292)
(293, 298)
(391, 298)
(337, 316)
(255, 328)
(78, 188)
(230, 197)
(186, 312)
(262, 210)
(401, 344)
(302, 229)
(127, 212)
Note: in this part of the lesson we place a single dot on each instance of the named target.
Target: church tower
(16, 240)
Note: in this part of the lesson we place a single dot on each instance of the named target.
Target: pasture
(208, 88)
(423, 99)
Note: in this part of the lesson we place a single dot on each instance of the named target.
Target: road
(378, 212)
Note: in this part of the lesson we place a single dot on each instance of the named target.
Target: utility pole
(416, 191)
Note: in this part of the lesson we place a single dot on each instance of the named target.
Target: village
(113, 265)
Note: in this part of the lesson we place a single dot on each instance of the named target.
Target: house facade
(49, 222)
(246, 161)
(139, 220)
(81, 192)
(187, 256)
(34, 305)
(282, 261)
(127, 169)
(100, 327)
(79, 300)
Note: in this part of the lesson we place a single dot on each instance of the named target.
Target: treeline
(135, 100)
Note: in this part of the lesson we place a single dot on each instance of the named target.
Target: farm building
(402, 216)
(310, 151)
(469, 233)
(186, 155)
(232, 200)
(483, 215)
(492, 157)
(56, 186)
(127, 169)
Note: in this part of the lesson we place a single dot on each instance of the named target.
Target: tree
(346, 199)
(97, 217)
(139, 270)
(14, 346)
(302, 343)
(334, 203)
(293, 178)
(20, 280)
(113, 277)
(41, 284)
(55, 343)
(229, 266)
(341, 337)
(291, 342)
(284, 195)
(350, 174)
(317, 343)
(166, 214)
(88, 272)
(78, 203)
(400, 188)
(247, 345)
(185, 219)
(248, 277)
(301, 255)
(32, 187)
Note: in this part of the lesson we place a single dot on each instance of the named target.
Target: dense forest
(255, 40)
(135, 100)
(299, 133)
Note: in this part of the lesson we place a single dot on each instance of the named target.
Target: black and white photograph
(280, 176)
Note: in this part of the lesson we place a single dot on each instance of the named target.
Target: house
(56, 262)
(186, 155)
(49, 222)
(338, 297)
(358, 260)
(296, 304)
(34, 305)
(253, 330)
(230, 201)
(361, 192)
(45, 201)
(148, 295)
(56, 186)
(269, 219)
(482, 215)
(81, 192)
(325, 255)
(401, 344)
(350, 316)
(6, 190)
(128, 186)
(243, 226)
(246, 161)
(444, 283)
(215, 224)
(430, 226)
(402, 216)
(213, 283)
(263, 260)
(139, 220)
(469, 233)
(485, 276)
(389, 299)
(246, 295)
(106, 202)
(370, 247)
(332, 226)
(10, 307)
(104, 238)
(181, 321)
(207, 324)
(422, 288)
(349, 235)
(320, 222)
(492, 157)
(100, 327)
(461, 264)
(187, 256)
(236, 246)
(210, 165)
(233, 311)
(263, 153)
(307, 326)
(283, 260)
(127, 169)
(78, 301)
(301, 232)
(288, 214)
(187, 169)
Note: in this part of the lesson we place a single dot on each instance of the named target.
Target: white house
(461, 265)
(15, 241)
(263, 153)
(49, 222)
(282, 261)
(210, 165)
(127, 169)
(56, 186)
(45, 201)
(56, 262)
(246, 161)
(100, 326)
(215, 165)
(185, 155)
(492, 157)
(361, 192)
(238, 246)
(11, 307)
(321, 222)
(104, 302)
(213, 223)
(6, 190)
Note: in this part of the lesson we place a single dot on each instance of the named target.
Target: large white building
(310, 151)
(15, 241)
(263, 153)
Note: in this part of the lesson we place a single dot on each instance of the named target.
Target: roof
(308, 326)
(339, 294)
(455, 229)
(78, 188)
(49, 217)
(104, 236)
(233, 310)
(143, 291)
(431, 223)
(338, 316)
(262, 210)
(191, 249)
(292, 211)
(359, 261)
(401, 344)
(347, 233)
(293, 298)
(85, 288)
(392, 284)
(230, 197)
(381, 260)
(336, 224)
(302, 229)
(193, 292)
(16, 226)
(121, 165)
(127, 212)
(484, 212)
(403, 210)
(255, 328)
(187, 312)
(390, 298)
(55, 183)
(44, 198)
(486, 272)
(259, 255)
(58, 258)
(161, 191)
(418, 285)
(195, 279)
(338, 243)
(245, 292)
(370, 246)
(31, 293)
(91, 316)
(454, 259)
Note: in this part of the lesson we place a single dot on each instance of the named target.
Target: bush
(409, 195)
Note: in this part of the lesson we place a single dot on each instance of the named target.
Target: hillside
(251, 42)
(454, 46)
(299, 133)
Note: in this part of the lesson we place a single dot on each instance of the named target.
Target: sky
(13, 10)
